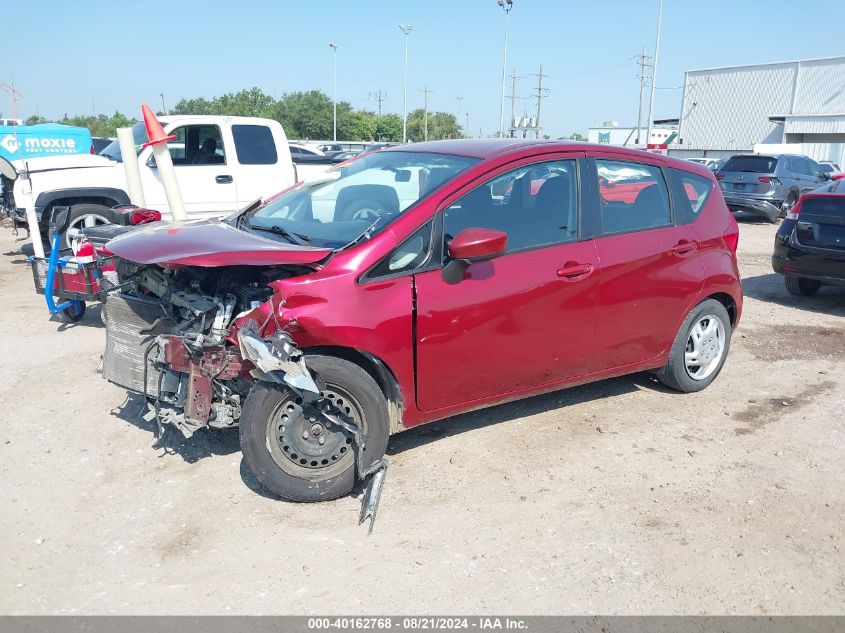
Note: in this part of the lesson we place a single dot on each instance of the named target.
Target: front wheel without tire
(699, 350)
(295, 451)
(802, 287)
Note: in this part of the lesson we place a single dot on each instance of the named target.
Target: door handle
(223, 180)
(574, 272)
(683, 247)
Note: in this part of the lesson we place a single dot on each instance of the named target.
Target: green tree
(35, 119)
(441, 125)
(389, 128)
(356, 125)
(575, 136)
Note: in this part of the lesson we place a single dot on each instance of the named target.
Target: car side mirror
(472, 245)
(824, 175)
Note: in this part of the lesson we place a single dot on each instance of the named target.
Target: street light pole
(654, 75)
(334, 91)
(406, 28)
(506, 5)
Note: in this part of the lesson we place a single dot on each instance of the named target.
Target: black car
(810, 243)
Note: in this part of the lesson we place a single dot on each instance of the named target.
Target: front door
(523, 319)
(203, 170)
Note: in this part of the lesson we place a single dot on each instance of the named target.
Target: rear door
(649, 270)
(261, 162)
(524, 319)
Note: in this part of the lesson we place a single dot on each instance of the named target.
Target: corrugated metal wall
(729, 108)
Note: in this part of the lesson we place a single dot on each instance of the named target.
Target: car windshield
(356, 200)
(139, 136)
(755, 164)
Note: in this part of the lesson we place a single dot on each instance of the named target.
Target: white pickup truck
(222, 163)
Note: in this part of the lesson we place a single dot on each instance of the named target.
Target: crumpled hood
(208, 243)
(67, 161)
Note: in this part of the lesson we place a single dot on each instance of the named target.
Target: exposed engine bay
(168, 337)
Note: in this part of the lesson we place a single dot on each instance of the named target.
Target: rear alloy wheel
(801, 287)
(699, 350)
(296, 451)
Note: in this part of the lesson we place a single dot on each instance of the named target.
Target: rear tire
(283, 449)
(801, 287)
(699, 350)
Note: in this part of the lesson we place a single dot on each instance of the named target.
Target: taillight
(719, 176)
(792, 214)
(732, 240)
(92, 149)
(143, 216)
(768, 179)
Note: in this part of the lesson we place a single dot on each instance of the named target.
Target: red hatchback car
(420, 282)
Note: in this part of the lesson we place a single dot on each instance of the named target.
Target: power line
(541, 92)
(379, 96)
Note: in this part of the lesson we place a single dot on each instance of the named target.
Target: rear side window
(691, 194)
(632, 196)
(254, 145)
(753, 164)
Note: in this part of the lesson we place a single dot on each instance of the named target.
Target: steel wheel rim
(303, 456)
(705, 347)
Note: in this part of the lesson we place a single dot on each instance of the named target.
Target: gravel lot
(616, 497)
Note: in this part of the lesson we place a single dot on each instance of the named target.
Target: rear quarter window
(691, 193)
(254, 145)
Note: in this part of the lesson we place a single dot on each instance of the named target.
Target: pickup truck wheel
(801, 287)
(295, 451)
(699, 350)
(85, 215)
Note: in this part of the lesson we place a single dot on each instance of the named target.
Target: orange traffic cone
(154, 130)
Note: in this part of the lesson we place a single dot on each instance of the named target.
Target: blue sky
(63, 55)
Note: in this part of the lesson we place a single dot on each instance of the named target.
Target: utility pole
(163, 107)
(642, 60)
(379, 97)
(458, 118)
(425, 92)
(406, 28)
(541, 92)
(513, 100)
(654, 73)
(14, 96)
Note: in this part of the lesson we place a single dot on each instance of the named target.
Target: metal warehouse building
(729, 110)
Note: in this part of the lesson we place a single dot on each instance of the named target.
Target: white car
(222, 163)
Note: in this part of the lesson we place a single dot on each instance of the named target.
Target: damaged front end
(195, 340)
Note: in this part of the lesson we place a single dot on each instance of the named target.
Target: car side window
(633, 196)
(254, 145)
(412, 253)
(691, 192)
(536, 205)
(197, 145)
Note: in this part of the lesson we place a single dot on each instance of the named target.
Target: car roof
(490, 148)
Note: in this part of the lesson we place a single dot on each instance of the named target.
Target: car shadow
(750, 218)
(204, 443)
(426, 433)
(93, 318)
(771, 289)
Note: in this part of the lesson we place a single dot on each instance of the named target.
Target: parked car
(810, 244)
(713, 164)
(222, 163)
(768, 185)
(829, 166)
(403, 289)
(340, 157)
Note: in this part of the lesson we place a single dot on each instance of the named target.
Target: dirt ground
(617, 497)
